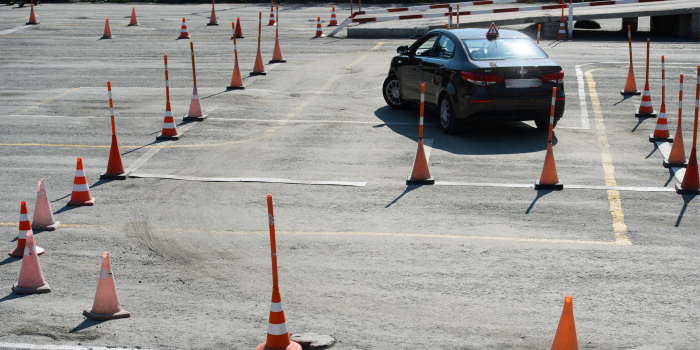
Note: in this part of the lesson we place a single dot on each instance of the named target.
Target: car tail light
(481, 79)
(556, 78)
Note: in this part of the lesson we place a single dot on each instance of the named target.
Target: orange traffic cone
(169, 131)
(259, 69)
(549, 180)
(212, 19)
(115, 167)
(630, 84)
(319, 31)
(565, 338)
(31, 279)
(334, 20)
(691, 180)
(420, 175)
(43, 216)
(32, 16)
(106, 305)
(196, 114)
(277, 333)
(108, 32)
(660, 133)
(676, 159)
(25, 227)
(561, 35)
(81, 190)
(133, 22)
(277, 53)
(239, 31)
(646, 110)
(272, 15)
(184, 34)
(236, 81)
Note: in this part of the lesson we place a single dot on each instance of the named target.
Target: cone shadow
(9, 260)
(12, 296)
(686, 199)
(652, 151)
(540, 194)
(409, 188)
(639, 122)
(138, 148)
(87, 323)
(65, 208)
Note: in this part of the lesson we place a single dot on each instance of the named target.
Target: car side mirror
(402, 50)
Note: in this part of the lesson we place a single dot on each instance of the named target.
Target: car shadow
(485, 138)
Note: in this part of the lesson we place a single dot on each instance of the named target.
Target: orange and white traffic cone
(565, 338)
(184, 34)
(561, 35)
(32, 16)
(108, 32)
(272, 15)
(25, 227)
(106, 305)
(259, 68)
(81, 190)
(549, 180)
(31, 279)
(420, 175)
(239, 31)
(691, 179)
(43, 216)
(196, 114)
(334, 19)
(676, 159)
(115, 166)
(630, 84)
(319, 30)
(236, 80)
(169, 131)
(277, 333)
(212, 19)
(277, 53)
(134, 21)
(646, 110)
(660, 133)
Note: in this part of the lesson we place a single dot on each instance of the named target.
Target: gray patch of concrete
(313, 340)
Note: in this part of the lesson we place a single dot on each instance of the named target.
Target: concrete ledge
(375, 33)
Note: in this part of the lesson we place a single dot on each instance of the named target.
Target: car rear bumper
(485, 107)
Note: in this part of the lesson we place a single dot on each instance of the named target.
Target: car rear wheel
(392, 93)
(448, 118)
(543, 124)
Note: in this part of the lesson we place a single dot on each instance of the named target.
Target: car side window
(426, 46)
(444, 48)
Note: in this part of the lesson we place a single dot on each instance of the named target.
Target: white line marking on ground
(151, 152)
(665, 150)
(582, 98)
(317, 121)
(57, 347)
(249, 179)
(580, 187)
(427, 147)
(12, 30)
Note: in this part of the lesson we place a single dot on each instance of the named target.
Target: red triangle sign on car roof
(492, 30)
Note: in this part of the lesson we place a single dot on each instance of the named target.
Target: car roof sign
(492, 33)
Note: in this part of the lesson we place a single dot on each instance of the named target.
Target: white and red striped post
(272, 14)
(422, 111)
(539, 28)
(169, 131)
(450, 20)
(661, 132)
(691, 179)
(457, 15)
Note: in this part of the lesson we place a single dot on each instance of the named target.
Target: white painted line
(581, 187)
(151, 152)
(665, 149)
(12, 30)
(582, 98)
(317, 121)
(56, 347)
(427, 147)
(250, 179)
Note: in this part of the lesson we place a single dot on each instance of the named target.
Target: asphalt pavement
(480, 260)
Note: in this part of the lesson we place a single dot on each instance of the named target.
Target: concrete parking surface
(478, 261)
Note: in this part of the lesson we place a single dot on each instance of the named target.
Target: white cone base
(43, 289)
(104, 317)
(51, 227)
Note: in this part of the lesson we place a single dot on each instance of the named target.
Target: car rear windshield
(503, 49)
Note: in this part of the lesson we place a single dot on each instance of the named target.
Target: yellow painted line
(265, 134)
(379, 44)
(46, 101)
(354, 234)
(618, 217)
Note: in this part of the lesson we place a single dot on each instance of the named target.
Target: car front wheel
(448, 118)
(392, 93)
